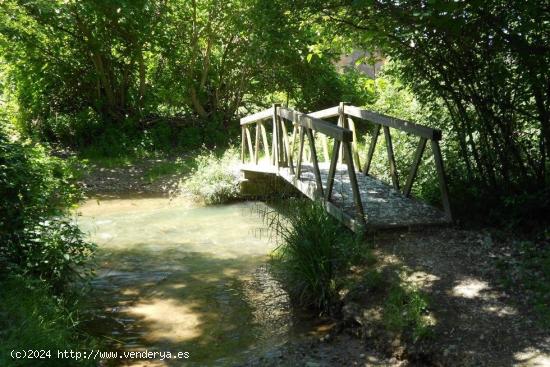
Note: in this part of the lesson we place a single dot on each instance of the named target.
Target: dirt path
(477, 323)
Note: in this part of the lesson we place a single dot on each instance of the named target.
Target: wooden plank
(354, 144)
(243, 143)
(262, 115)
(249, 141)
(257, 144)
(316, 124)
(275, 140)
(414, 166)
(287, 147)
(265, 141)
(326, 113)
(391, 158)
(332, 170)
(353, 181)
(315, 163)
(406, 126)
(372, 147)
(442, 180)
(300, 152)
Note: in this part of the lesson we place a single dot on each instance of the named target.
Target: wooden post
(300, 152)
(293, 137)
(316, 170)
(265, 141)
(353, 183)
(288, 151)
(354, 143)
(257, 144)
(341, 123)
(442, 180)
(391, 158)
(414, 167)
(249, 140)
(276, 136)
(243, 143)
(332, 170)
(371, 149)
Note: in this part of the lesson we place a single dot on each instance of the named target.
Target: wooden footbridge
(335, 176)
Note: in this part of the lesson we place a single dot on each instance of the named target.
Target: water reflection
(173, 276)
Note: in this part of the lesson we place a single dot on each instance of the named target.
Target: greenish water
(180, 278)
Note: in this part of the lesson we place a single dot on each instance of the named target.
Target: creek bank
(477, 323)
(130, 179)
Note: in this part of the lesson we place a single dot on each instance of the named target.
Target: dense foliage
(485, 62)
(42, 253)
(85, 71)
(35, 238)
(37, 321)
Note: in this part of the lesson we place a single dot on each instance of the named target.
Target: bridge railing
(345, 149)
(346, 113)
(282, 152)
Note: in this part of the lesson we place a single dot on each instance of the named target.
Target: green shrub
(214, 179)
(405, 309)
(51, 250)
(313, 254)
(32, 183)
(35, 238)
(38, 321)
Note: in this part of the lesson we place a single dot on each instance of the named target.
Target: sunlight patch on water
(167, 317)
(174, 276)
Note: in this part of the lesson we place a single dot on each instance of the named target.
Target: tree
(488, 61)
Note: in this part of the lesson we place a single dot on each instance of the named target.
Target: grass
(212, 179)
(405, 310)
(32, 319)
(167, 168)
(313, 255)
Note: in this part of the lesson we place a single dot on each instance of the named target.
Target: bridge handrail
(399, 124)
(258, 116)
(381, 119)
(345, 148)
(310, 122)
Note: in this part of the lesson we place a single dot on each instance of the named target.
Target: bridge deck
(384, 207)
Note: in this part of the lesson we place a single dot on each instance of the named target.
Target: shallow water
(176, 277)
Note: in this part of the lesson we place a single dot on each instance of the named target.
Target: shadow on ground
(477, 323)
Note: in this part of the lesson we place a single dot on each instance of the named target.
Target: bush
(51, 250)
(214, 179)
(37, 321)
(314, 253)
(35, 238)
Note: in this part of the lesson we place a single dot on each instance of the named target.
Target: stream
(174, 276)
